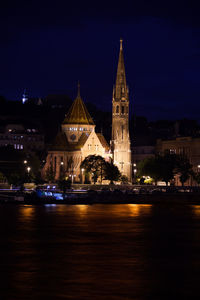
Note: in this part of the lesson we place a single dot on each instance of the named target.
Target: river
(120, 252)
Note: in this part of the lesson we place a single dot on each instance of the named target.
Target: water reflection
(26, 212)
(99, 252)
(196, 210)
(137, 209)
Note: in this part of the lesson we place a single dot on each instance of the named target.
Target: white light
(62, 163)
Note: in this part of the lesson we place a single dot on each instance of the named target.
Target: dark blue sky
(47, 47)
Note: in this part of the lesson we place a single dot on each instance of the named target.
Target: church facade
(78, 139)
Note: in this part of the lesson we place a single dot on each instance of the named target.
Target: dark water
(100, 252)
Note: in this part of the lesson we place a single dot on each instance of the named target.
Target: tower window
(122, 109)
(117, 109)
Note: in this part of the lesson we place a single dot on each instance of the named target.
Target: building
(22, 136)
(76, 140)
(188, 146)
(120, 143)
(141, 152)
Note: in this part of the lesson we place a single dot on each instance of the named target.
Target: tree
(50, 174)
(183, 168)
(12, 163)
(150, 166)
(63, 185)
(111, 172)
(124, 179)
(167, 166)
(94, 164)
(196, 177)
(15, 179)
(2, 177)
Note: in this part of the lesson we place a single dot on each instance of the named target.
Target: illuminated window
(21, 147)
(172, 151)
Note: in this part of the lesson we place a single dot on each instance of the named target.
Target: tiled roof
(78, 113)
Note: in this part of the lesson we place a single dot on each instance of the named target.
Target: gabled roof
(61, 143)
(103, 141)
(78, 113)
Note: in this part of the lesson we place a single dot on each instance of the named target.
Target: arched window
(117, 109)
(122, 109)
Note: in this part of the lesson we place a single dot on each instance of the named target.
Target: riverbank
(104, 198)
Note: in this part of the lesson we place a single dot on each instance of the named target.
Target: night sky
(47, 47)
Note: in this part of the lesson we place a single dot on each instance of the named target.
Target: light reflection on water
(99, 251)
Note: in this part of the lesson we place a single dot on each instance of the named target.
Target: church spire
(78, 93)
(121, 86)
(120, 120)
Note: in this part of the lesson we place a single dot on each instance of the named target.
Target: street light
(82, 170)
(28, 169)
(72, 176)
(25, 162)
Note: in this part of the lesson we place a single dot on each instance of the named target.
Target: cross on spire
(78, 94)
(121, 41)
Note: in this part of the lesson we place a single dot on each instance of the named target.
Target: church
(78, 139)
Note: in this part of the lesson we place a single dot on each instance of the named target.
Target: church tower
(120, 143)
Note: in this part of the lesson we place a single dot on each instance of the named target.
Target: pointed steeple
(78, 93)
(78, 113)
(121, 90)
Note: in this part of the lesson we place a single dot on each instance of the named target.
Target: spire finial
(121, 41)
(78, 94)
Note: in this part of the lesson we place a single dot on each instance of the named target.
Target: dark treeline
(48, 114)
